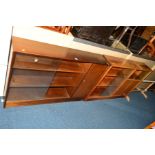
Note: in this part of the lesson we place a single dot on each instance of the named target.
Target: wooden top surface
(125, 63)
(142, 66)
(48, 50)
(118, 62)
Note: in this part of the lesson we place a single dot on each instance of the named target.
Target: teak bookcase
(122, 77)
(44, 73)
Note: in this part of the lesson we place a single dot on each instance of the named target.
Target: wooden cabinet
(122, 77)
(44, 79)
(42, 73)
(35, 79)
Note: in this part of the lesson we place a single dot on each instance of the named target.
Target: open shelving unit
(39, 78)
(45, 73)
(122, 77)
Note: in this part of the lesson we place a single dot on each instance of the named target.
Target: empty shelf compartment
(29, 78)
(16, 94)
(66, 79)
(57, 93)
(106, 81)
(103, 91)
(121, 72)
(138, 75)
(127, 87)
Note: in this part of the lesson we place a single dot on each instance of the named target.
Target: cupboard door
(90, 80)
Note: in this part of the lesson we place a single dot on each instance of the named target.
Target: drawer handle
(76, 58)
(36, 59)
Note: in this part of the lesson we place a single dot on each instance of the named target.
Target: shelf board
(57, 93)
(138, 80)
(104, 86)
(97, 97)
(44, 67)
(101, 97)
(71, 67)
(110, 75)
(32, 66)
(63, 81)
(120, 63)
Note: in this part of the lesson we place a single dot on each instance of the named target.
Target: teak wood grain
(43, 73)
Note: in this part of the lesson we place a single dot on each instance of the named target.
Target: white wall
(5, 38)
